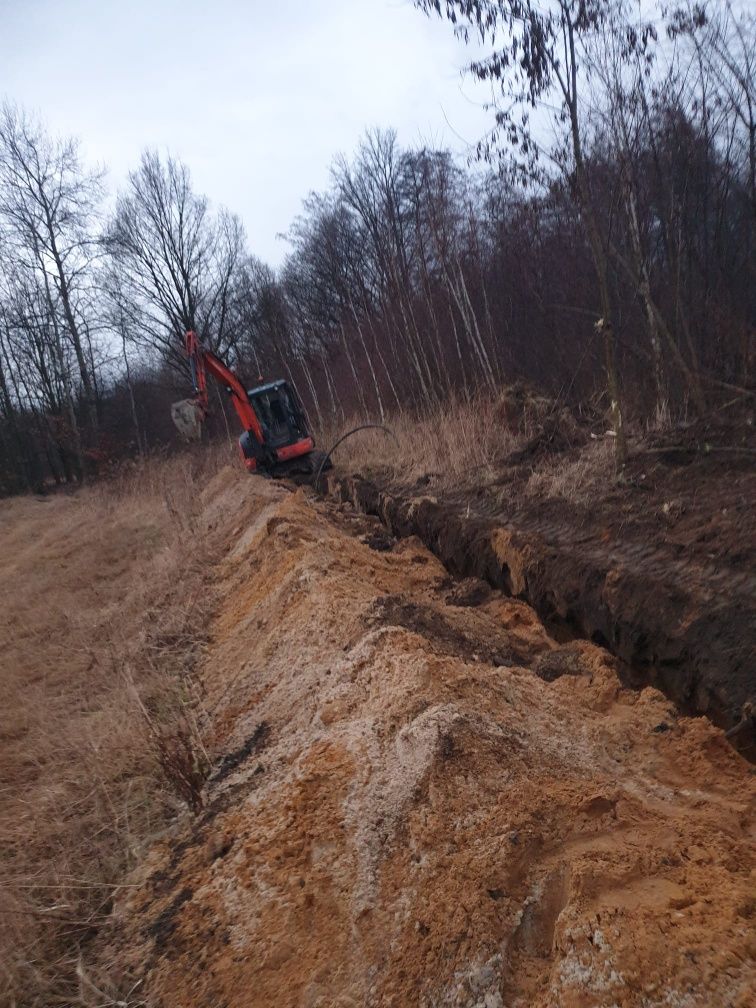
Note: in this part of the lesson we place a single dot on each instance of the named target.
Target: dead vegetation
(451, 441)
(105, 605)
(525, 446)
(471, 441)
(576, 478)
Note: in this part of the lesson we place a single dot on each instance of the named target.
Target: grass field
(103, 602)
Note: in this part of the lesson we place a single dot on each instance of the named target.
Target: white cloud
(256, 97)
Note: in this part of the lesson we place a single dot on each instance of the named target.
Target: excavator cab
(284, 428)
(280, 415)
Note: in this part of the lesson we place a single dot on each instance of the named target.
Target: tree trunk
(605, 324)
(65, 297)
(132, 400)
(357, 384)
(66, 381)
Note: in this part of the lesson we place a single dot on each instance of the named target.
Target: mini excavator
(276, 440)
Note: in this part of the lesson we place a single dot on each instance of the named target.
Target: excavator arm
(203, 361)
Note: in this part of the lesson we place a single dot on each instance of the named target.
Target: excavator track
(303, 469)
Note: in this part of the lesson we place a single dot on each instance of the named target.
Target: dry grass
(104, 604)
(465, 444)
(463, 438)
(579, 479)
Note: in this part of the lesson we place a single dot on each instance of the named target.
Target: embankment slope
(420, 798)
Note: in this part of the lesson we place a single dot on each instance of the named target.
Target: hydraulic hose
(354, 430)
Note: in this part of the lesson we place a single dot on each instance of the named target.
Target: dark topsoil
(657, 566)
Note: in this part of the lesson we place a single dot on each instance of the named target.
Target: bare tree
(176, 260)
(536, 59)
(47, 212)
(39, 367)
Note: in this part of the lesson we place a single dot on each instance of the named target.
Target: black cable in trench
(354, 430)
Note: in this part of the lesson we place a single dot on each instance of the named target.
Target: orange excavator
(276, 440)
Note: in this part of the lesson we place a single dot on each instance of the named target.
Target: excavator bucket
(187, 416)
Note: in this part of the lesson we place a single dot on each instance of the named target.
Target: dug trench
(684, 625)
(420, 797)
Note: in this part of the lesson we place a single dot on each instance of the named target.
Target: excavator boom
(202, 361)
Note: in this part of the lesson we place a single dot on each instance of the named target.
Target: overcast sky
(255, 97)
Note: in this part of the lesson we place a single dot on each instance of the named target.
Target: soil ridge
(680, 624)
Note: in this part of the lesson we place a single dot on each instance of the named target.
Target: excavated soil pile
(420, 798)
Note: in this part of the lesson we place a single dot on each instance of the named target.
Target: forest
(597, 244)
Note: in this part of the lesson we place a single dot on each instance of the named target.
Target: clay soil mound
(420, 798)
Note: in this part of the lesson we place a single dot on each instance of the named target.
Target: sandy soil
(419, 798)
